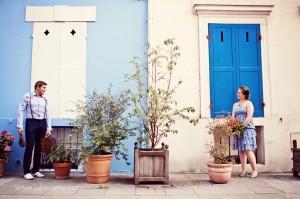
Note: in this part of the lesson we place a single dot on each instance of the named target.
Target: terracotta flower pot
(2, 166)
(219, 173)
(62, 170)
(98, 168)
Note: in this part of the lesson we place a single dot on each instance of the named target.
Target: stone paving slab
(187, 186)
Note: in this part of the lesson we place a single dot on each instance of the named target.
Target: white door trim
(232, 14)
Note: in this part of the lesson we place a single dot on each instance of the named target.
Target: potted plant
(6, 141)
(154, 103)
(60, 158)
(104, 119)
(220, 168)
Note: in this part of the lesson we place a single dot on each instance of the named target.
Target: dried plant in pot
(60, 158)
(155, 105)
(221, 128)
(104, 119)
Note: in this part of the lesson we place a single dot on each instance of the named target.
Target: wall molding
(60, 13)
(230, 9)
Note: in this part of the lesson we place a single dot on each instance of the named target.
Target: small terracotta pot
(2, 166)
(219, 173)
(98, 168)
(62, 170)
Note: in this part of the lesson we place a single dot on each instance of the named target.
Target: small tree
(105, 120)
(154, 101)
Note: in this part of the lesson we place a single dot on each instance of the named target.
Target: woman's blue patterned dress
(248, 140)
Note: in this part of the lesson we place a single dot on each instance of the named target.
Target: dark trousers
(35, 130)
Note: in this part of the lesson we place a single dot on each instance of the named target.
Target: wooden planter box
(151, 165)
(296, 159)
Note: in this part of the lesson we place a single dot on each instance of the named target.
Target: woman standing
(245, 144)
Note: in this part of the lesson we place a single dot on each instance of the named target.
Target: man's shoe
(28, 176)
(38, 174)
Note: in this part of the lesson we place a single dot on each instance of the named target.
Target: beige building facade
(187, 21)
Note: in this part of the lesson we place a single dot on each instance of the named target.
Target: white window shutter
(59, 58)
(59, 53)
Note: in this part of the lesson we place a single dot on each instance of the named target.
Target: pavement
(182, 186)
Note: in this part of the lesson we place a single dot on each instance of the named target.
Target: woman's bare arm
(233, 110)
(250, 110)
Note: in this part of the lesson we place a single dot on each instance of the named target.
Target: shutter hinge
(210, 106)
(208, 36)
(259, 37)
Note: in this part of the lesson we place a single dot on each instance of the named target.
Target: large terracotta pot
(98, 168)
(219, 173)
(62, 170)
(2, 166)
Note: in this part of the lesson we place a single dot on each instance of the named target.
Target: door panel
(247, 48)
(252, 80)
(235, 60)
(224, 81)
(222, 55)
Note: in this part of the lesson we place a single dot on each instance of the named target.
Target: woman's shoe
(254, 174)
(243, 174)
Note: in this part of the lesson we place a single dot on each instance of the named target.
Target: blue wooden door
(235, 60)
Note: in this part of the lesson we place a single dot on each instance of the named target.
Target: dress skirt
(246, 142)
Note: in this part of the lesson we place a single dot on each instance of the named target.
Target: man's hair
(39, 84)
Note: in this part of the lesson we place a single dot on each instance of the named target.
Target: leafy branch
(154, 101)
(105, 119)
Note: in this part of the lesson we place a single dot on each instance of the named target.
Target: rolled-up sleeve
(49, 126)
(21, 111)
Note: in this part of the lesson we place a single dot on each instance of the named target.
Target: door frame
(239, 15)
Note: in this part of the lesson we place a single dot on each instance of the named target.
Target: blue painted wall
(119, 33)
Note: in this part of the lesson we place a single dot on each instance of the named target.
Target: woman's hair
(246, 92)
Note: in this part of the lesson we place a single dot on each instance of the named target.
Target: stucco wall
(118, 34)
(175, 19)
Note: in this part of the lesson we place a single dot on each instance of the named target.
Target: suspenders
(31, 107)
